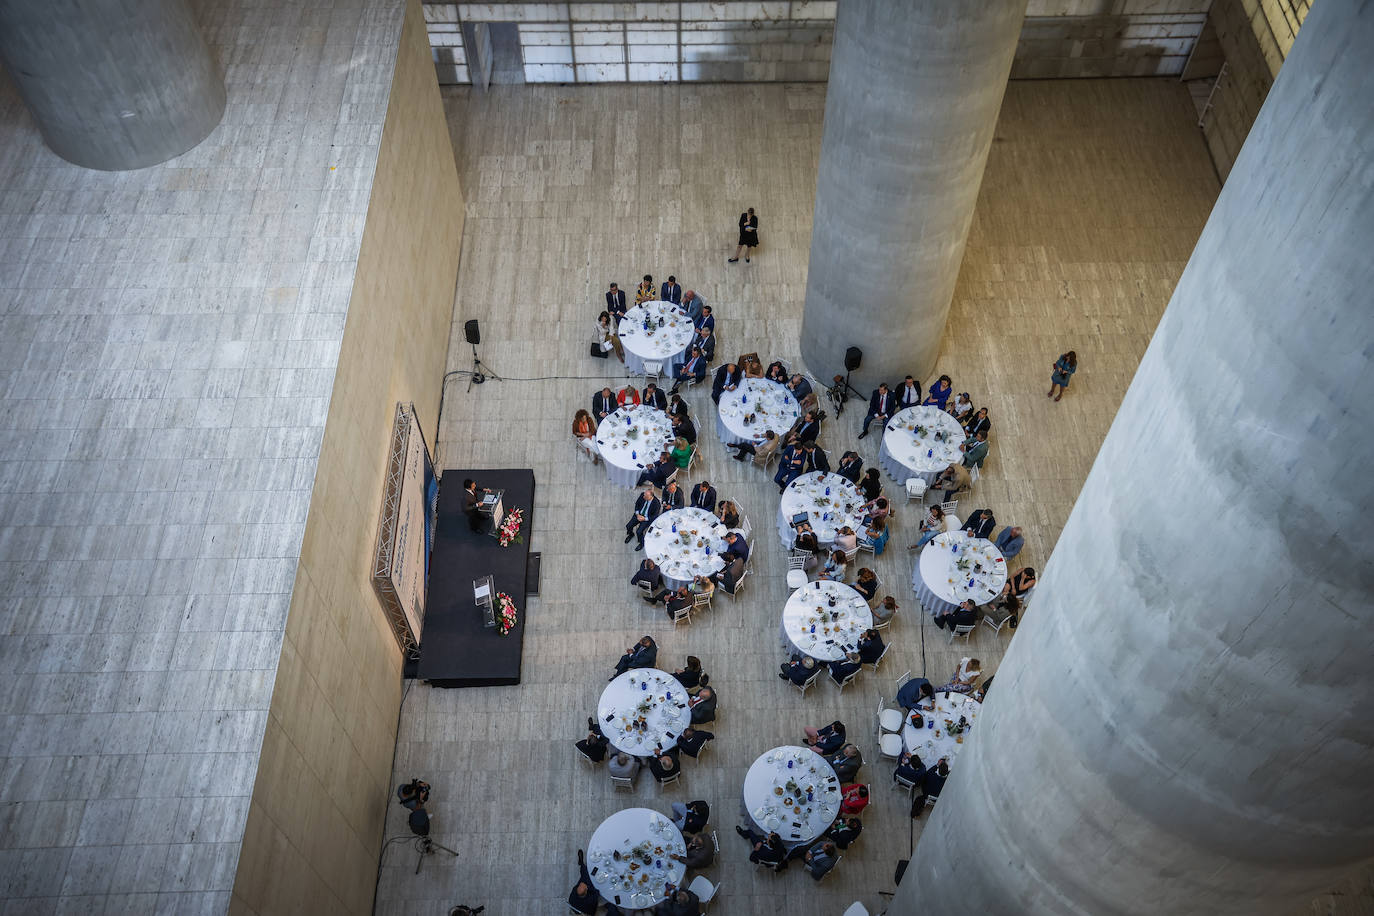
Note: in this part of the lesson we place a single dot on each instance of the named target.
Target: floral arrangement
(505, 614)
(510, 528)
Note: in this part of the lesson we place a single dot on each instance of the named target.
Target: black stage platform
(456, 650)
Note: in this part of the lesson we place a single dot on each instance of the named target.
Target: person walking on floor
(1064, 367)
(748, 235)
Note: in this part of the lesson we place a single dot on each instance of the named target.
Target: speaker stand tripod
(427, 847)
(480, 371)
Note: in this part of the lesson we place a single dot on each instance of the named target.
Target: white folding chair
(901, 782)
(879, 660)
(669, 781)
(701, 601)
(738, 585)
(950, 507)
(796, 559)
(748, 528)
(623, 782)
(863, 544)
(890, 719)
(684, 614)
(838, 860)
(646, 588)
(841, 685)
(856, 909)
(582, 755)
(671, 477)
(902, 679)
(653, 371)
(890, 746)
(974, 474)
(704, 890)
(963, 630)
(796, 578)
(996, 627)
(850, 554)
(809, 682)
(692, 458)
(715, 841)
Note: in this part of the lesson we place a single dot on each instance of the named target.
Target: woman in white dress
(605, 337)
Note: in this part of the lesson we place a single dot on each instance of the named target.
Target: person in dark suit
(881, 405)
(690, 676)
(658, 472)
(703, 706)
(727, 378)
(799, 387)
(736, 546)
(729, 577)
(820, 859)
(844, 831)
(603, 404)
(846, 762)
(472, 500)
(851, 466)
(694, 368)
(677, 407)
(815, 457)
(825, 740)
(843, 668)
(693, 305)
(650, 575)
(584, 897)
(909, 394)
(978, 423)
(642, 654)
(777, 372)
(676, 601)
(672, 496)
(768, 850)
(671, 291)
(706, 343)
(910, 768)
(653, 396)
(647, 508)
(914, 692)
(706, 319)
(692, 739)
(980, 523)
(665, 765)
(931, 785)
(799, 670)
(684, 428)
(704, 496)
(965, 615)
(680, 902)
(791, 465)
(615, 302)
(595, 744)
(870, 647)
(807, 427)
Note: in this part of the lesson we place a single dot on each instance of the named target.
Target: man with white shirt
(909, 395)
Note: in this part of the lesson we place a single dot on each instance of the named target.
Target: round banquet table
(648, 693)
(930, 744)
(802, 820)
(942, 586)
(645, 840)
(685, 543)
(628, 448)
(667, 344)
(812, 627)
(828, 513)
(903, 454)
(771, 404)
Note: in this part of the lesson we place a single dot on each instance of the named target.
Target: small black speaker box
(852, 357)
(474, 335)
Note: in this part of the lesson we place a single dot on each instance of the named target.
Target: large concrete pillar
(1184, 723)
(915, 87)
(112, 84)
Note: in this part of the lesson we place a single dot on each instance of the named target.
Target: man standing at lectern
(471, 500)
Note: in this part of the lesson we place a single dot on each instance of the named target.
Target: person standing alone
(748, 235)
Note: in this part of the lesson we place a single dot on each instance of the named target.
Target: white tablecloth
(942, 585)
(645, 840)
(906, 452)
(667, 344)
(662, 704)
(811, 626)
(931, 743)
(771, 404)
(789, 812)
(828, 512)
(628, 449)
(685, 543)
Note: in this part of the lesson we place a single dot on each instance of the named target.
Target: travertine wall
(315, 824)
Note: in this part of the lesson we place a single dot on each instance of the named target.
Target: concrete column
(112, 84)
(1182, 724)
(915, 87)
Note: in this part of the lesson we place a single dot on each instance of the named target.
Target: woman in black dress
(748, 235)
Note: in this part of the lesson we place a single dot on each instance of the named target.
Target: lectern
(483, 593)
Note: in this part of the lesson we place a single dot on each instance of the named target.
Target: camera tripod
(480, 371)
(839, 393)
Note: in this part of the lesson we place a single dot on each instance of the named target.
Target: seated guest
(799, 386)
(728, 513)
(584, 430)
(691, 817)
(845, 539)
(729, 577)
(751, 367)
(843, 668)
(706, 343)
(627, 395)
(978, 423)
(768, 850)
(703, 706)
(834, 567)
(876, 534)
(806, 542)
(825, 740)
(798, 670)
(792, 462)
(595, 744)
(846, 762)
(694, 369)
(701, 852)
(676, 601)
(777, 372)
(623, 766)
(702, 586)
(736, 546)
(680, 901)
(670, 292)
(931, 525)
(878, 508)
(815, 457)
(761, 448)
(850, 467)
(665, 765)
(938, 393)
(908, 393)
(965, 676)
(931, 785)
(681, 455)
(684, 428)
(604, 403)
(653, 396)
(703, 496)
(910, 768)
(964, 615)
(981, 693)
(1019, 583)
(727, 378)
(585, 898)
(692, 304)
(1006, 610)
(705, 319)
(689, 676)
(962, 408)
(866, 583)
(651, 576)
(672, 496)
(853, 799)
(975, 449)
(642, 654)
(820, 859)
(615, 303)
(870, 647)
(885, 610)
(647, 508)
(844, 831)
(954, 480)
(691, 741)
(677, 407)
(882, 404)
(645, 292)
(871, 485)
(807, 428)
(658, 472)
(914, 692)
(1010, 541)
